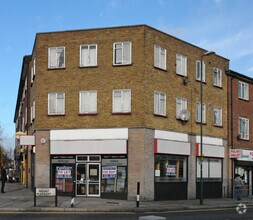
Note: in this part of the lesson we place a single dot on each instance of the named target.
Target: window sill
(203, 123)
(218, 87)
(218, 126)
(162, 116)
(56, 68)
(121, 113)
(159, 68)
(198, 80)
(88, 114)
(246, 100)
(88, 66)
(50, 115)
(127, 64)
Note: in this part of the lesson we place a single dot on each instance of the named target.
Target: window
(217, 116)
(217, 77)
(244, 128)
(56, 57)
(198, 71)
(33, 111)
(170, 168)
(199, 113)
(122, 53)
(181, 104)
(88, 55)
(159, 103)
(160, 57)
(88, 102)
(56, 103)
(243, 90)
(121, 101)
(181, 65)
(33, 70)
(212, 169)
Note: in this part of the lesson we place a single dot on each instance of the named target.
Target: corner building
(106, 112)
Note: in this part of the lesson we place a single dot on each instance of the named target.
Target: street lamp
(208, 53)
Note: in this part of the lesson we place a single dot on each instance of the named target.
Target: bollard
(72, 202)
(138, 195)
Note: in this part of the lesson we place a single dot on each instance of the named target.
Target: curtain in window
(126, 53)
(180, 105)
(199, 113)
(88, 102)
(198, 72)
(122, 101)
(60, 103)
(118, 53)
(84, 56)
(156, 51)
(52, 103)
(60, 57)
(217, 116)
(93, 55)
(116, 101)
(163, 58)
(53, 57)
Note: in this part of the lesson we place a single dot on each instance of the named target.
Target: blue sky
(223, 26)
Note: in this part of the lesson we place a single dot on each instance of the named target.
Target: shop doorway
(88, 179)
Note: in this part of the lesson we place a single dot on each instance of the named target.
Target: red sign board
(235, 153)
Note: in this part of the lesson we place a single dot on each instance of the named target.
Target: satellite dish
(184, 115)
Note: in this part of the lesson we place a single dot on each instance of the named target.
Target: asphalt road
(224, 214)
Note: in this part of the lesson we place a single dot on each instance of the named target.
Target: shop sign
(235, 153)
(171, 170)
(63, 172)
(45, 191)
(109, 172)
(114, 162)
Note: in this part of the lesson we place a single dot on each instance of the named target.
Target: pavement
(20, 199)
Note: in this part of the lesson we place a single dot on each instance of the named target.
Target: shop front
(85, 164)
(243, 166)
(171, 165)
(212, 170)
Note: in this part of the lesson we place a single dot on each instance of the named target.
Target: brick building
(240, 88)
(105, 107)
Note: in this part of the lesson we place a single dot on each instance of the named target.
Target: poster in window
(63, 172)
(171, 170)
(109, 172)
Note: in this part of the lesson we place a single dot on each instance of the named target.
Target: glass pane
(93, 172)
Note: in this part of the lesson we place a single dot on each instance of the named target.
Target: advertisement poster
(63, 172)
(171, 170)
(109, 172)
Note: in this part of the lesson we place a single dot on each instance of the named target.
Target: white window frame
(217, 116)
(121, 101)
(181, 104)
(181, 65)
(198, 66)
(159, 103)
(33, 111)
(243, 128)
(160, 55)
(243, 90)
(56, 63)
(122, 48)
(33, 70)
(198, 114)
(89, 56)
(57, 98)
(89, 98)
(217, 77)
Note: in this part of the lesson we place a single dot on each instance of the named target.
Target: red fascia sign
(235, 153)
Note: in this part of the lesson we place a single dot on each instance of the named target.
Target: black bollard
(138, 195)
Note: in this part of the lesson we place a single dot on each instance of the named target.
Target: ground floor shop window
(63, 174)
(114, 176)
(212, 169)
(170, 168)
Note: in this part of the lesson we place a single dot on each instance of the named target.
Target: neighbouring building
(240, 142)
(111, 107)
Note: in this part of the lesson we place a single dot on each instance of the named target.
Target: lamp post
(208, 53)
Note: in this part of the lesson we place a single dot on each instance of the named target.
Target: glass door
(93, 179)
(81, 183)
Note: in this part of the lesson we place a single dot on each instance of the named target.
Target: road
(225, 214)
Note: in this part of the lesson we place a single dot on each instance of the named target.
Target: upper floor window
(88, 55)
(33, 70)
(160, 57)
(88, 102)
(198, 110)
(159, 104)
(217, 77)
(198, 71)
(243, 128)
(33, 111)
(122, 53)
(217, 116)
(56, 103)
(181, 104)
(56, 57)
(181, 65)
(121, 101)
(243, 90)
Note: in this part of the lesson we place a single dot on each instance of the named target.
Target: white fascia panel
(89, 147)
(212, 151)
(173, 147)
(167, 135)
(210, 140)
(89, 134)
